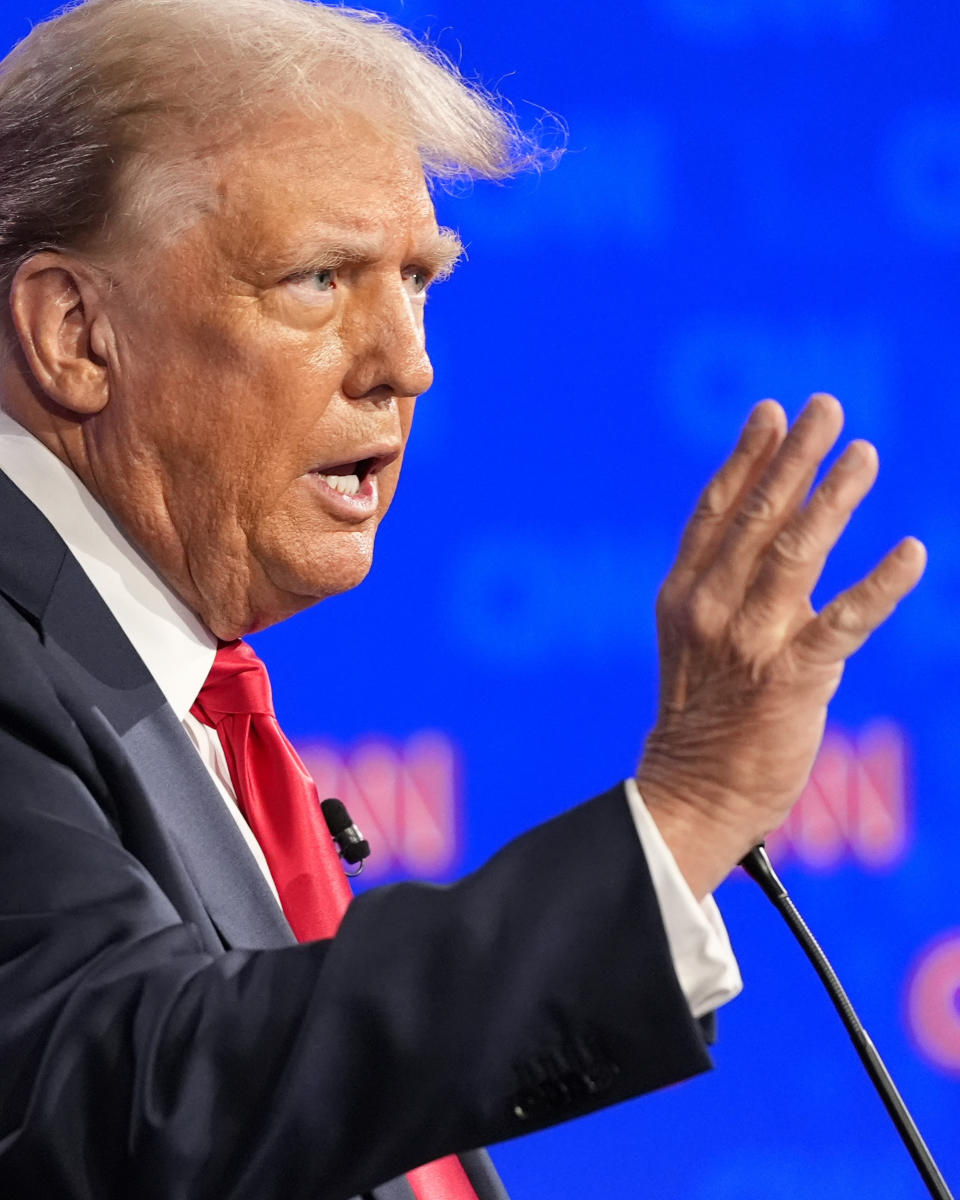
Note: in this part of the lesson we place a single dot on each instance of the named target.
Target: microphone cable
(758, 866)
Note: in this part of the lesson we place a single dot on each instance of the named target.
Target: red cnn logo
(855, 805)
(933, 1003)
(403, 795)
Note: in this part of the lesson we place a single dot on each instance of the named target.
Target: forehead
(304, 180)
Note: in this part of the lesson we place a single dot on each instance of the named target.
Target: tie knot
(237, 683)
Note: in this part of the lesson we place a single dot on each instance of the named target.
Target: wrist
(697, 827)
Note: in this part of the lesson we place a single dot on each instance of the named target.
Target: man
(216, 240)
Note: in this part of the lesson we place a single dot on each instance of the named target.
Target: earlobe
(54, 308)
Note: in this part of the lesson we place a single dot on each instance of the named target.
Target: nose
(385, 344)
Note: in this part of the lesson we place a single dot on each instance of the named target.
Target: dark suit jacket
(162, 1037)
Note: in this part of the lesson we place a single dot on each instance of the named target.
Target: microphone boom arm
(758, 866)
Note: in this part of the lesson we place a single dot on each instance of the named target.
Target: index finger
(777, 495)
(759, 440)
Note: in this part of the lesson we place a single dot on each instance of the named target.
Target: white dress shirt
(178, 651)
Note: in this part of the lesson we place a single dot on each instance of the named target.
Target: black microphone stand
(758, 866)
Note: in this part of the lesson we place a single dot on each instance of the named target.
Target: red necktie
(279, 800)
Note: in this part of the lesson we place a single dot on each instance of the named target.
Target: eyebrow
(446, 252)
(437, 257)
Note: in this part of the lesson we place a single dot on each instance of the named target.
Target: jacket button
(600, 1077)
(525, 1104)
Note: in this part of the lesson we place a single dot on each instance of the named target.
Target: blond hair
(107, 110)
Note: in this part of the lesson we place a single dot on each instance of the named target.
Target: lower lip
(349, 508)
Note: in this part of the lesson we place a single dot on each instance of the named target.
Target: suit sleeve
(134, 1063)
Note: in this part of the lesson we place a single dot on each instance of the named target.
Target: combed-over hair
(109, 110)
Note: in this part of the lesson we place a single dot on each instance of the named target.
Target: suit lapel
(216, 857)
(81, 631)
(124, 712)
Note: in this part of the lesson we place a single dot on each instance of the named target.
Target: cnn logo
(403, 795)
(855, 804)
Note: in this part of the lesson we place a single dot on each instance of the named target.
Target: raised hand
(747, 667)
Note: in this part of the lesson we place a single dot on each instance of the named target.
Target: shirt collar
(176, 648)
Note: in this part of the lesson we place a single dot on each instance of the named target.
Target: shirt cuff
(697, 937)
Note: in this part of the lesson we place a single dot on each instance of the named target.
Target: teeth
(349, 485)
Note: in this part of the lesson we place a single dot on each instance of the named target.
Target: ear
(56, 309)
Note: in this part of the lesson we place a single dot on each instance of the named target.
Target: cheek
(391, 476)
(407, 408)
(266, 419)
(324, 354)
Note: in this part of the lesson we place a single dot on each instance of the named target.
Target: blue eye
(310, 287)
(419, 280)
(324, 280)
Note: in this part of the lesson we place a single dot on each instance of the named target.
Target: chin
(293, 578)
(336, 565)
(290, 583)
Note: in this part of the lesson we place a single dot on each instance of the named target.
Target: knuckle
(758, 508)
(762, 612)
(752, 641)
(713, 502)
(706, 616)
(672, 601)
(843, 616)
(666, 599)
(790, 549)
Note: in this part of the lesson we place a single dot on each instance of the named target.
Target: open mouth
(355, 482)
(348, 478)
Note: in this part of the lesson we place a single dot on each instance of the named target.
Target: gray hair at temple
(112, 112)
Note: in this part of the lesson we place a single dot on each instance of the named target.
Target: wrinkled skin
(196, 390)
(282, 332)
(747, 666)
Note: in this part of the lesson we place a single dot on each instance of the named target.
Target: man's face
(266, 370)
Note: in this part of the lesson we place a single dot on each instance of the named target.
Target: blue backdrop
(761, 197)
